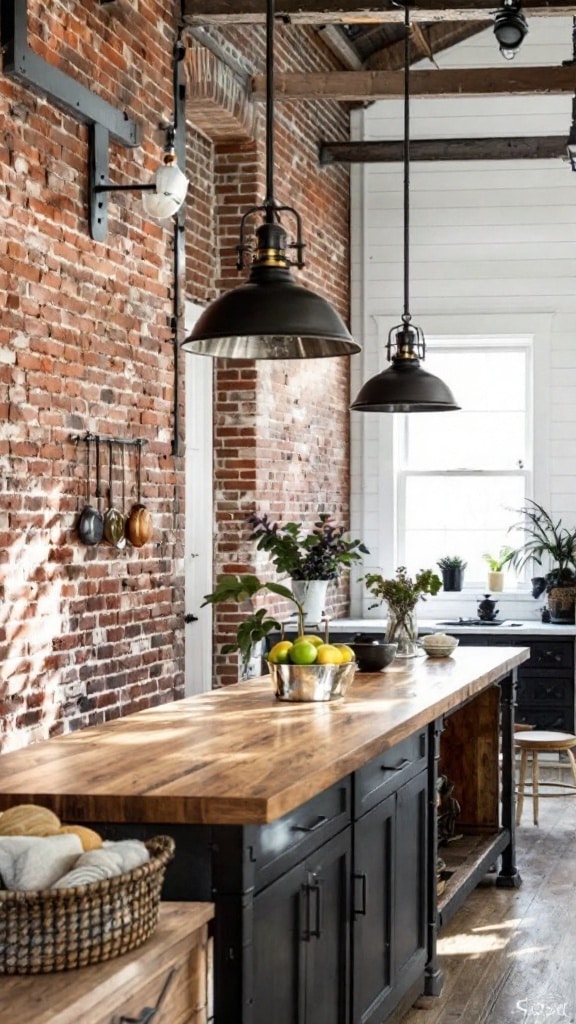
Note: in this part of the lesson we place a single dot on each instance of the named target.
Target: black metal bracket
(27, 68)
(89, 438)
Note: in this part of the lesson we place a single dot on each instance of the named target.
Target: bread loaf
(29, 820)
(88, 837)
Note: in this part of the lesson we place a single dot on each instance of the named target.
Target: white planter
(496, 581)
(312, 596)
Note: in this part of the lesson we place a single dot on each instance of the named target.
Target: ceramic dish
(439, 645)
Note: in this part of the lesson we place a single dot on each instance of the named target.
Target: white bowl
(439, 645)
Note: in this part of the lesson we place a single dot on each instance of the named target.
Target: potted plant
(496, 566)
(402, 594)
(309, 558)
(256, 626)
(452, 568)
(545, 538)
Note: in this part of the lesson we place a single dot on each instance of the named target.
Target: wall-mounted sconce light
(162, 197)
(510, 28)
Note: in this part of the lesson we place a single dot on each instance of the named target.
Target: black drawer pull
(322, 819)
(395, 767)
(149, 1011)
(362, 908)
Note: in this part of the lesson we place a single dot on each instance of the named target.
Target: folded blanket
(36, 862)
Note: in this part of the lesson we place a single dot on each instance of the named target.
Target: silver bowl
(311, 682)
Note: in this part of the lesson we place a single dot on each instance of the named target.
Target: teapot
(487, 609)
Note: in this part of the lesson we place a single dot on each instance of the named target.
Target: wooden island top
(239, 756)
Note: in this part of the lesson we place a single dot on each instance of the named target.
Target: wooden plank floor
(509, 956)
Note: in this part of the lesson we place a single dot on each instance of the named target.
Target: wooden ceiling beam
(219, 12)
(366, 86)
(537, 147)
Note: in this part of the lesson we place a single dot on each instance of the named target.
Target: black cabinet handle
(313, 896)
(149, 1011)
(395, 767)
(322, 819)
(361, 879)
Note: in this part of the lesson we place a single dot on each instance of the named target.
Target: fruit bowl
(311, 682)
(374, 656)
(439, 645)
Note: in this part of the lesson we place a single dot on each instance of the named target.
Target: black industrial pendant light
(510, 28)
(405, 386)
(270, 316)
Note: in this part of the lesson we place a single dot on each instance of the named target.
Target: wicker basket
(61, 929)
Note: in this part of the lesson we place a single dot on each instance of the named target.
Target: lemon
(302, 653)
(310, 638)
(278, 655)
(347, 652)
(329, 654)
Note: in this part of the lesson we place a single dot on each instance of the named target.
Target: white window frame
(475, 343)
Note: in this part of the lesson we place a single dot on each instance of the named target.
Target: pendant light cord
(406, 316)
(269, 201)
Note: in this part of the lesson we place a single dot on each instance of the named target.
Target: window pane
(460, 515)
(489, 432)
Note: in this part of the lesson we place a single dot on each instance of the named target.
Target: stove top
(474, 622)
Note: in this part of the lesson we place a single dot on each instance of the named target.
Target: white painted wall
(491, 242)
(198, 544)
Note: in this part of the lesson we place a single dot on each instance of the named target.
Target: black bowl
(374, 656)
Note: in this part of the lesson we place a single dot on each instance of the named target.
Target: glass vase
(402, 629)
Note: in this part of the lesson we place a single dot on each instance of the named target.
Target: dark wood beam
(537, 147)
(439, 36)
(214, 12)
(364, 86)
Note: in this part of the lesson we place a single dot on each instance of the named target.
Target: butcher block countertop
(238, 756)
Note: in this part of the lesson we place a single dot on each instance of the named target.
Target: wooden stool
(533, 743)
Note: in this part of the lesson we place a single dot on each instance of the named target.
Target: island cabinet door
(389, 902)
(300, 946)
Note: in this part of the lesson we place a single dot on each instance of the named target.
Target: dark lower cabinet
(389, 901)
(545, 682)
(300, 942)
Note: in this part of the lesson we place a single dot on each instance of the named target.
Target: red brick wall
(281, 430)
(91, 633)
(85, 344)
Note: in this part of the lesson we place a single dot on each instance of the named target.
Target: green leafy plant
(402, 593)
(544, 537)
(322, 554)
(258, 623)
(451, 562)
(497, 563)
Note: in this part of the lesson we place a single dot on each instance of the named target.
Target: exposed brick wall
(86, 633)
(280, 430)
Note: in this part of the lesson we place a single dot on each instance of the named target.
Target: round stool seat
(534, 742)
(541, 740)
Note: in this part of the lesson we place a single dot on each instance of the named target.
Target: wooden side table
(171, 971)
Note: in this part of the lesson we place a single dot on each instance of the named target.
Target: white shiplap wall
(493, 240)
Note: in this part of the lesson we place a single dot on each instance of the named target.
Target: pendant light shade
(270, 316)
(405, 386)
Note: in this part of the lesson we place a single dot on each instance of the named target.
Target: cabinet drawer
(546, 687)
(542, 716)
(549, 654)
(288, 840)
(389, 770)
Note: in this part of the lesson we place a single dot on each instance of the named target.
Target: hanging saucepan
(113, 518)
(90, 524)
(139, 527)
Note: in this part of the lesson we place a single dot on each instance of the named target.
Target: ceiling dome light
(270, 316)
(510, 28)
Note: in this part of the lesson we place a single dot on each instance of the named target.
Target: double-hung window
(462, 476)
